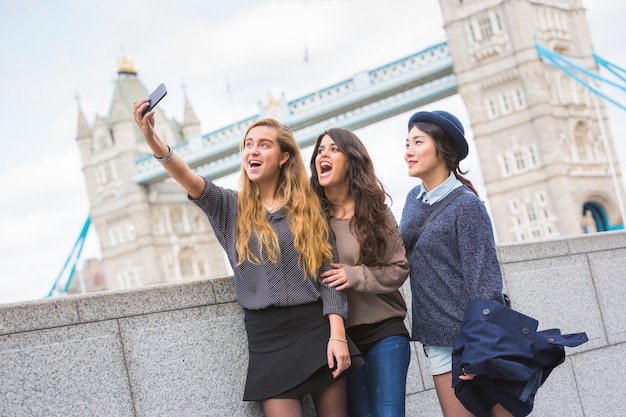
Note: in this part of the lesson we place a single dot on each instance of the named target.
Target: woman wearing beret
(453, 260)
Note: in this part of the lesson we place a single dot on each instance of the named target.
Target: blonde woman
(277, 242)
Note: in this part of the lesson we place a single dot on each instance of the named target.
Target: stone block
(423, 404)
(65, 371)
(414, 378)
(600, 381)
(559, 293)
(561, 385)
(189, 362)
(595, 242)
(224, 289)
(38, 314)
(539, 249)
(609, 270)
(162, 297)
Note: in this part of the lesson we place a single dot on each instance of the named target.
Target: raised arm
(173, 164)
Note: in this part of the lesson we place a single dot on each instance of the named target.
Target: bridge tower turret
(148, 234)
(542, 151)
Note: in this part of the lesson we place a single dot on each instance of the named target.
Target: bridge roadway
(364, 99)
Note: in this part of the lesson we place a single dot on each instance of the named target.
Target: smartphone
(156, 96)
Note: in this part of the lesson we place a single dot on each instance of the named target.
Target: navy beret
(449, 123)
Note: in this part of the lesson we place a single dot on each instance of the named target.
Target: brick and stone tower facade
(148, 234)
(545, 160)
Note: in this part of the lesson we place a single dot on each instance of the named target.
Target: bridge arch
(596, 212)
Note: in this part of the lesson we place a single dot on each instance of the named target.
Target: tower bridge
(548, 163)
(159, 350)
(364, 99)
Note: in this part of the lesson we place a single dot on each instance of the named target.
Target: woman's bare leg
(450, 404)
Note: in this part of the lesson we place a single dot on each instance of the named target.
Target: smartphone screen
(156, 96)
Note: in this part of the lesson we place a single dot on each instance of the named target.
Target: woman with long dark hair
(372, 267)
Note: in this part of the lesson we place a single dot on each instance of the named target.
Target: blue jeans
(378, 388)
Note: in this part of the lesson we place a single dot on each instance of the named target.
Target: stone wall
(180, 349)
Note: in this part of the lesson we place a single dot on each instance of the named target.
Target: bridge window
(131, 232)
(532, 215)
(498, 22)
(186, 268)
(492, 110)
(532, 219)
(541, 197)
(519, 160)
(121, 231)
(520, 103)
(473, 33)
(532, 157)
(157, 226)
(506, 107)
(113, 240)
(102, 142)
(108, 173)
(486, 31)
(580, 139)
(198, 223)
(170, 271)
(130, 277)
(575, 92)
(505, 102)
(506, 164)
(176, 217)
(186, 260)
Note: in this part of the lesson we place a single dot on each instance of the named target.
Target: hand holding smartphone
(155, 97)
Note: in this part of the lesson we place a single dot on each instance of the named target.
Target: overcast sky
(229, 55)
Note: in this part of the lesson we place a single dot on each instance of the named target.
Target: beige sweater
(373, 295)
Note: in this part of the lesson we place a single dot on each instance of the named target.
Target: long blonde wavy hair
(304, 213)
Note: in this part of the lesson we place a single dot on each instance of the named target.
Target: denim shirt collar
(439, 192)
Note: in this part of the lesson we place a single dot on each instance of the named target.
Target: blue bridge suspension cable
(70, 263)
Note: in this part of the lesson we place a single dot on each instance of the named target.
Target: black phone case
(156, 96)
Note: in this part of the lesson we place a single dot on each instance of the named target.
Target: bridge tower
(148, 233)
(545, 156)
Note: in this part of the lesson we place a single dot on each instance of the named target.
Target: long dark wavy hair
(370, 211)
(447, 150)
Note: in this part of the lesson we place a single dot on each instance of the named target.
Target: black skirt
(287, 347)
